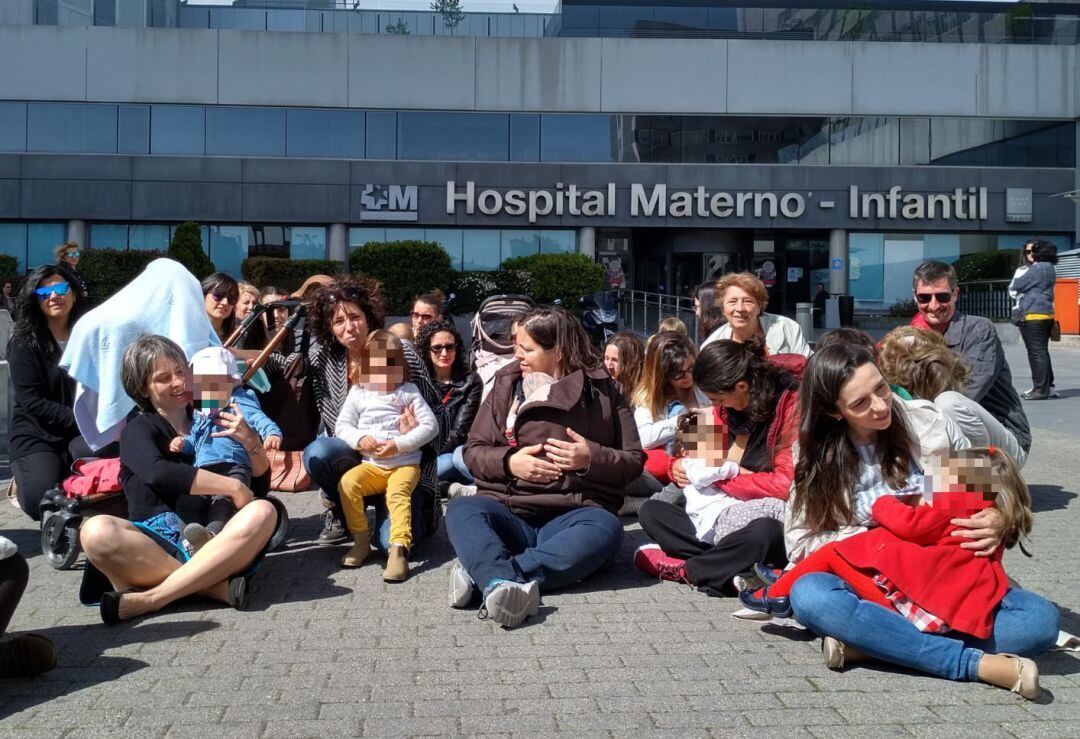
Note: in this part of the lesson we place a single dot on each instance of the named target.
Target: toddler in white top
(369, 421)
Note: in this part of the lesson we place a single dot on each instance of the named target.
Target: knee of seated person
(260, 515)
(1042, 619)
(812, 594)
(98, 535)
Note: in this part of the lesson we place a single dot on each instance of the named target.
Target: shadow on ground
(1049, 498)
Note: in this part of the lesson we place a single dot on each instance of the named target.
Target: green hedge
(9, 265)
(988, 265)
(285, 273)
(186, 248)
(405, 269)
(105, 271)
(564, 277)
(470, 288)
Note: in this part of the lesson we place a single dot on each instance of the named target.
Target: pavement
(327, 652)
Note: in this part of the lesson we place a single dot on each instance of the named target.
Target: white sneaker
(510, 603)
(458, 490)
(462, 587)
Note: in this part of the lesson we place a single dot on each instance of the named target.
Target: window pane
(453, 136)
(269, 241)
(867, 140)
(177, 129)
(524, 138)
(109, 236)
(404, 234)
(12, 127)
(450, 240)
(134, 129)
(480, 250)
(576, 138)
(74, 127)
(558, 242)
(361, 236)
(13, 242)
(520, 243)
(381, 135)
(41, 241)
(325, 133)
(228, 248)
(866, 254)
(150, 238)
(308, 242)
(256, 132)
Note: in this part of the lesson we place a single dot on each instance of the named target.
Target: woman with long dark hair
(552, 449)
(42, 420)
(1033, 286)
(858, 442)
(221, 294)
(442, 351)
(757, 401)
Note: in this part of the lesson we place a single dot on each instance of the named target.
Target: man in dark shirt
(999, 417)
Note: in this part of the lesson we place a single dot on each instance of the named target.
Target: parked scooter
(600, 316)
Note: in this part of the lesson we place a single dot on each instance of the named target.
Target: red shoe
(650, 559)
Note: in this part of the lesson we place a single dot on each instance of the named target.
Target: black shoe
(238, 592)
(110, 607)
(26, 655)
(766, 574)
(779, 607)
(333, 530)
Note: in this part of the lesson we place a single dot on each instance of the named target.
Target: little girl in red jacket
(911, 562)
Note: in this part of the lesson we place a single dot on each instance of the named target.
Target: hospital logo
(388, 203)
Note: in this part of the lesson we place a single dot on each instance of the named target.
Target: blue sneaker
(509, 603)
(779, 607)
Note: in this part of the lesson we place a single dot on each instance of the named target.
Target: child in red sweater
(911, 562)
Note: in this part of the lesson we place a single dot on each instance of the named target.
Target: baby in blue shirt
(217, 386)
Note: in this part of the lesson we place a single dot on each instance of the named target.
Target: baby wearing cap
(217, 386)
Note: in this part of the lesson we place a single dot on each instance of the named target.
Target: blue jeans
(494, 544)
(326, 459)
(451, 466)
(1025, 624)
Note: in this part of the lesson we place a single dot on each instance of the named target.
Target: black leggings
(711, 567)
(14, 574)
(38, 473)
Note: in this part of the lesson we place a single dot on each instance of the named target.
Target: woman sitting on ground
(552, 449)
(744, 299)
(143, 558)
(257, 336)
(624, 358)
(857, 443)
(757, 401)
(42, 420)
(442, 350)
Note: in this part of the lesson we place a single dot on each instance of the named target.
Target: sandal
(1027, 677)
(110, 606)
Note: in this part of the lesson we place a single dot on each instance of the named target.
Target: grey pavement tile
(247, 730)
(427, 726)
(517, 724)
(963, 730)
(1043, 729)
(862, 731)
(350, 707)
(974, 714)
(313, 729)
(794, 717)
(579, 722)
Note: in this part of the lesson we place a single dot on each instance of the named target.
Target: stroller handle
(298, 310)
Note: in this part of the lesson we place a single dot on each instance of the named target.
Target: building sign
(388, 203)
(658, 201)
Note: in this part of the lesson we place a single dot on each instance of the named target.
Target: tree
(398, 29)
(451, 13)
(186, 248)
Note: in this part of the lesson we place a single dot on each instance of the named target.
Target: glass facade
(32, 244)
(528, 137)
(474, 249)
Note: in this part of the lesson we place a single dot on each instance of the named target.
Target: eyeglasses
(59, 288)
(1029, 251)
(683, 373)
(443, 348)
(925, 298)
(422, 316)
(223, 297)
(70, 254)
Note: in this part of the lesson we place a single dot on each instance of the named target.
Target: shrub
(105, 271)
(285, 273)
(405, 269)
(903, 309)
(186, 248)
(987, 265)
(9, 265)
(470, 288)
(564, 277)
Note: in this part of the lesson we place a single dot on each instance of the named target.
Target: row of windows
(33, 244)
(189, 130)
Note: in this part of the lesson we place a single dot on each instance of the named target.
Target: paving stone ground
(326, 652)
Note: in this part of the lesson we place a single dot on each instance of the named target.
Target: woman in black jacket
(42, 420)
(442, 350)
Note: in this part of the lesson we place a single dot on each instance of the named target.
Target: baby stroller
(95, 487)
(493, 341)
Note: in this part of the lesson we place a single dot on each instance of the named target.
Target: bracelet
(256, 449)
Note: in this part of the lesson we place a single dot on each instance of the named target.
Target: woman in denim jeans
(857, 443)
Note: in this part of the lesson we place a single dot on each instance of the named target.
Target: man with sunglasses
(997, 417)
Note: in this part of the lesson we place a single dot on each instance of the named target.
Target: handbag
(1055, 331)
(287, 473)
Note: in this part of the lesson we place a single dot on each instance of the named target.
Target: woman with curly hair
(340, 315)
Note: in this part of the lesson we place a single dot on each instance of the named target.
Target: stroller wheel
(282, 529)
(60, 540)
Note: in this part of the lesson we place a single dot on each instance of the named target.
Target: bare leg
(124, 554)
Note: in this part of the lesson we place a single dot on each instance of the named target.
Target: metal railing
(641, 311)
(987, 298)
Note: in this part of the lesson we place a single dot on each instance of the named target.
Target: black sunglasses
(925, 298)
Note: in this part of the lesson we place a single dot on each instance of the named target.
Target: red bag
(287, 472)
(93, 477)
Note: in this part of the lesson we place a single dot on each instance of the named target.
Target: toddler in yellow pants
(369, 422)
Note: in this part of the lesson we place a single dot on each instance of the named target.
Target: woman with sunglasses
(42, 420)
(68, 255)
(1032, 287)
(442, 350)
(221, 294)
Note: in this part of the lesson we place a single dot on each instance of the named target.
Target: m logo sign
(388, 203)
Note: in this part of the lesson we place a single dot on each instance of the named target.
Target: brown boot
(397, 564)
(360, 549)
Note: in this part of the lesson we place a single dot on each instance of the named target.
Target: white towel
(165, 299)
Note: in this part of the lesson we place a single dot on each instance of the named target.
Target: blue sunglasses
(60, 288)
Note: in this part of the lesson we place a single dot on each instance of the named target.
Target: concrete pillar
(337, 243)
(76, 233)
(839, 271)
(586, 241)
